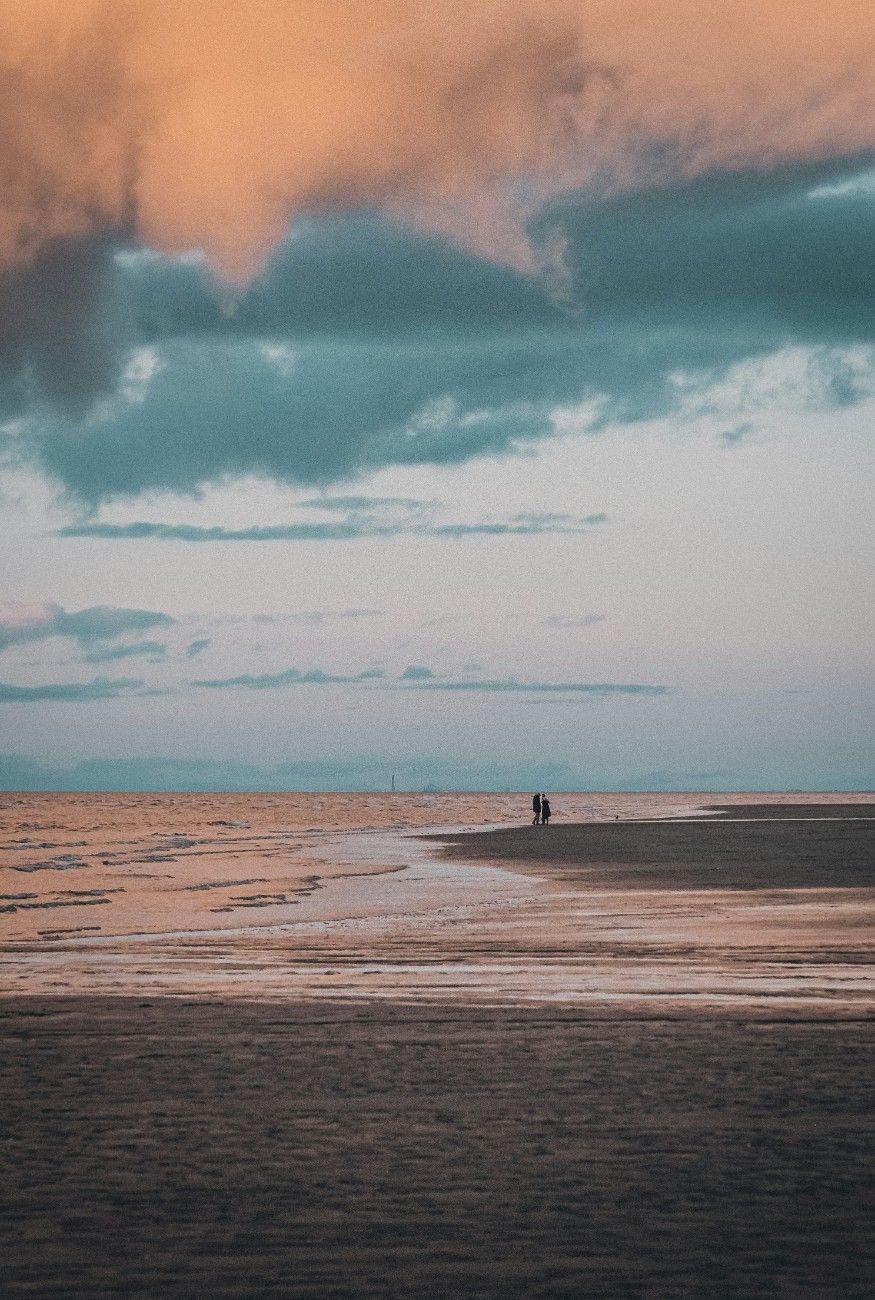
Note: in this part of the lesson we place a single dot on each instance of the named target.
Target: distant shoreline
(427, 790)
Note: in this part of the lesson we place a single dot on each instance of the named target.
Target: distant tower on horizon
(393, 782)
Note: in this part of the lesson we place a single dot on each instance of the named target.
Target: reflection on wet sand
(767, 902)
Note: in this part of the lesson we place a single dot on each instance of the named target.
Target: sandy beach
(628, 1054)
(649, 903)
(171, 1148)
(757, 847)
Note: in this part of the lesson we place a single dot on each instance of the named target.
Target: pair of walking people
(541, 810)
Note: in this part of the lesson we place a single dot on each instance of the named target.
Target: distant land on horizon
(158, 775)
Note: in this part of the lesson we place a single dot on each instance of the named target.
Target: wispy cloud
(35, 622)
(197, 647)
(101, 688)
(511, 685)
(291, 677)
(141, 531)
(416, 673)
(732, 437)
(358, 504)
(316, 616)
(419, 677)
(523, 525)
(359, 517)
(100, 654)
(584, 620)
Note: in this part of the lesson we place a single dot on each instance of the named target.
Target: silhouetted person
(536, 809)
(545, 810)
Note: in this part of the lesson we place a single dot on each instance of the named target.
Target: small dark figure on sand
(536, 809)
(545, 810)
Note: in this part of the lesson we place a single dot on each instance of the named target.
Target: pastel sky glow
(482, 393)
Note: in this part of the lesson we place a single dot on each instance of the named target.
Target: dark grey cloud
(197, 647)
(364, 519)
(742, 250)
(101, 688)
(364, 345)
(64, 329)
(290, 677)
(512, 686)
(352, 276)
(25, 623)
(100, 654)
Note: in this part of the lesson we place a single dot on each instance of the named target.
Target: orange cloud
(212, 124)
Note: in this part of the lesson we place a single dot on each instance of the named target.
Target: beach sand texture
(326, 1054)
(180, 1149)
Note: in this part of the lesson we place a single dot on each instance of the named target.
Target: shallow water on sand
(116, 864)
(284, 896)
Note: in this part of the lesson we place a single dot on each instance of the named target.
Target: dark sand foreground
(168, 1148)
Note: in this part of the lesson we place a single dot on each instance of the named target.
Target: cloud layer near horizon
(367, 519)
(418, 678)
(101, 688)
(414, 677)
(212, 126)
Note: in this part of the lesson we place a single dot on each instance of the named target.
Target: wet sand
(171, 864)
(758, 847)
(758, 902)
(612, 1058)
(174, 1149)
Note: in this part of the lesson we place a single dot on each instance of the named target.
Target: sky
(481, 394)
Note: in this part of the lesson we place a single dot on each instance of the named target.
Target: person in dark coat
(536, 809)
(545, 810)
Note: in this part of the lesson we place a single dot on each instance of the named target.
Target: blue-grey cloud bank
(365, 344)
